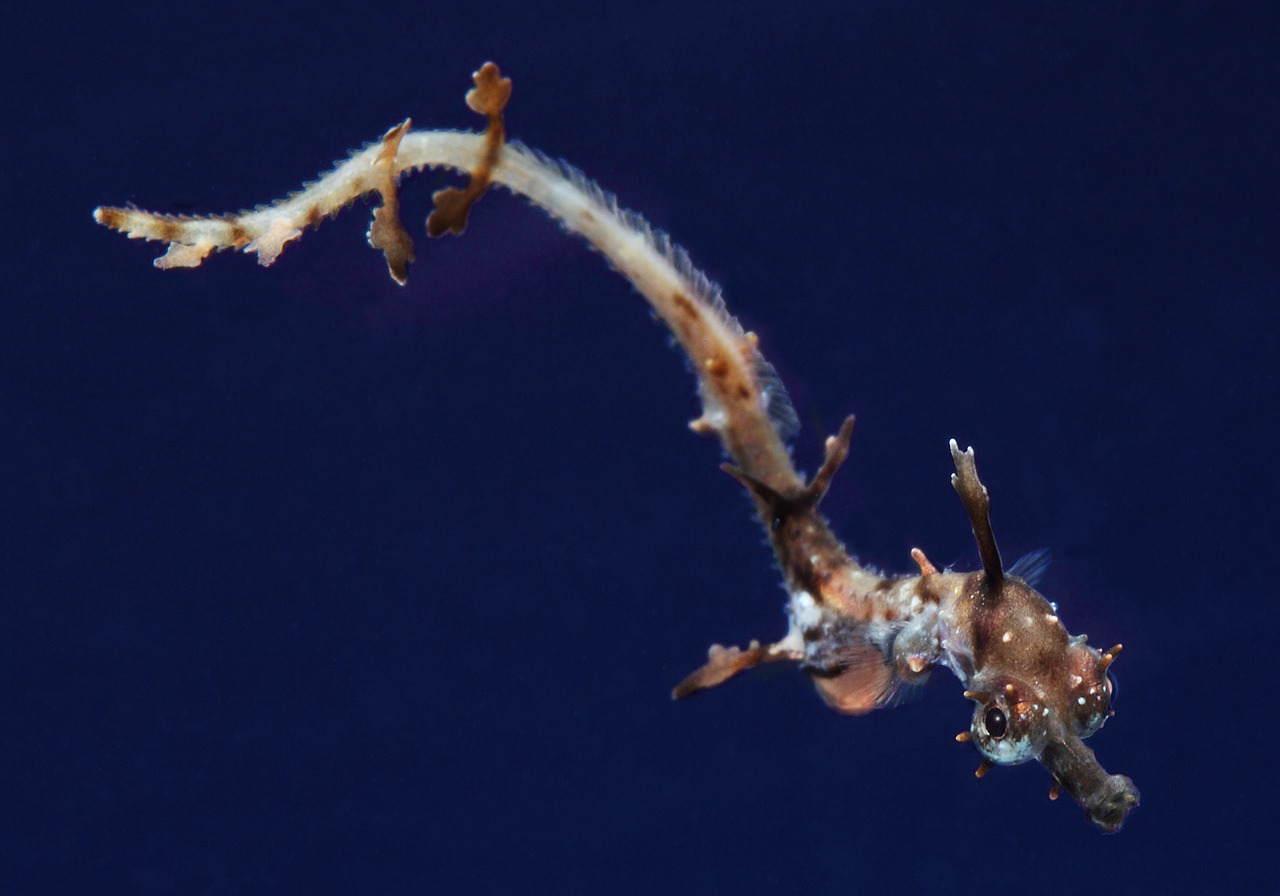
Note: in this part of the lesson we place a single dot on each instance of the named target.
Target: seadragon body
(861, 636)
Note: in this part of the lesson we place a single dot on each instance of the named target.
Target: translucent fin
(1032, 566)
(866, 682)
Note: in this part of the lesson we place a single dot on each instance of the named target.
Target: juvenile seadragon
(861, 636)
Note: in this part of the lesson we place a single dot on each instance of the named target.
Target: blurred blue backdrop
(312, 584)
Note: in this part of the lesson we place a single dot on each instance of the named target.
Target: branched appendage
(802, 499)
(385, 231)
(725, 662)
(489, 97)
(862, 637)
(977, 503)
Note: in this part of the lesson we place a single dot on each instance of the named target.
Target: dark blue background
(316, 585)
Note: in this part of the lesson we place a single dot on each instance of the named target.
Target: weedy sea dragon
(1038, 691)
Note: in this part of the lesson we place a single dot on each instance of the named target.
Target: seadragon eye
(996, 722)
(1010, 726)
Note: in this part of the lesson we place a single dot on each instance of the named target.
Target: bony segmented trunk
(861, 636)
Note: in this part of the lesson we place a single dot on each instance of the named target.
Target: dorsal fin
(1031, 566)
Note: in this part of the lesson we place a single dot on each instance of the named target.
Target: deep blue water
(317, 585)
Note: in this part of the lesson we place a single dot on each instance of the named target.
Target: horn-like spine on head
(977, 503)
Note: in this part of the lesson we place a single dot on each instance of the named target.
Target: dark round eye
(996, 723)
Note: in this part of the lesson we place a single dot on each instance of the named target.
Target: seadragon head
(1038, 691)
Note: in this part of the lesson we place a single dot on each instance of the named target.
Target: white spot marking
(805, 610)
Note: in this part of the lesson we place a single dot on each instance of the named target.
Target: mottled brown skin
(1038, 641)
(1106, 799)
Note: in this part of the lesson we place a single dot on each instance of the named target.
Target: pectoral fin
(865, 682)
